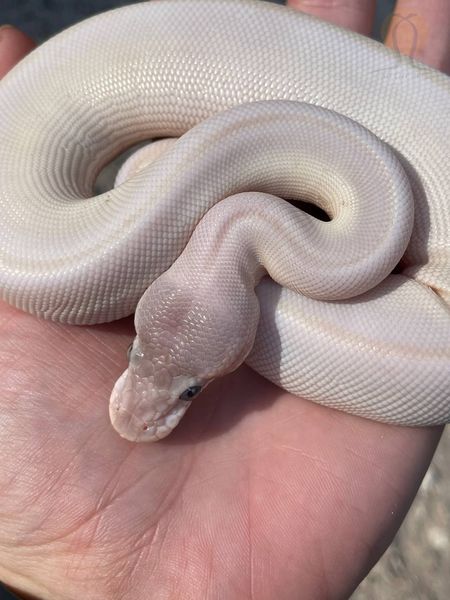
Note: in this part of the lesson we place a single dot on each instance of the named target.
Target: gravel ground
(417, 564)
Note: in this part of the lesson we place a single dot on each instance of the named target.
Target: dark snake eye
(190, 392)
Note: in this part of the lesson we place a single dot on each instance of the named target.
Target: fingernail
(3, 28)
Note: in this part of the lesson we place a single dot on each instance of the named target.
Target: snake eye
(130, 347)
(190, 392)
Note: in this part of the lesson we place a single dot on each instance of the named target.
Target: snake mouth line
(169, 418)
(133, 427)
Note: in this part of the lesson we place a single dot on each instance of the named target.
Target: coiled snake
(267, 104)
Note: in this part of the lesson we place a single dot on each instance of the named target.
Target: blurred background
(417, 564)
(42, 18)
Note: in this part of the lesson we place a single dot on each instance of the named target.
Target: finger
(14, 45)
(422, 30)
(357, 15)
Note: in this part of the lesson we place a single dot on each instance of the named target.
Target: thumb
(14, 45)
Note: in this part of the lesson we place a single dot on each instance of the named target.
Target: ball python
(254, 104)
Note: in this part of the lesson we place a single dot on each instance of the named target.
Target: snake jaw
(142, 420)
(152, 395)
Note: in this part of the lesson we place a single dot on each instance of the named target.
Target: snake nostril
(145, 427)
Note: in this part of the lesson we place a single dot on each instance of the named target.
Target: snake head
(148, 400)
(186, 337)
(152, 395)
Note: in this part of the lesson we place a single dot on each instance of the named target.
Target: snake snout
(138, 414)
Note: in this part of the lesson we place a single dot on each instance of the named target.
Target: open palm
(257, 494)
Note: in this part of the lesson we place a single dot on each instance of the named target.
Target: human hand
(257, 493)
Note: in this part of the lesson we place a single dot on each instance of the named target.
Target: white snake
(337, 327)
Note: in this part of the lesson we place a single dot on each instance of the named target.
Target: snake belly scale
(266, 103)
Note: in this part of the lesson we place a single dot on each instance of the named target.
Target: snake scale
(255, 104)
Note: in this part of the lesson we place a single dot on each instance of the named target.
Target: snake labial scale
(267, 103)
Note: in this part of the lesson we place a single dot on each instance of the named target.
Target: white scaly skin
(336, 327)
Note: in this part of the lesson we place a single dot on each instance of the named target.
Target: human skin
(257, 494)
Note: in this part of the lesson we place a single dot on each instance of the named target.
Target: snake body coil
(275, 104)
